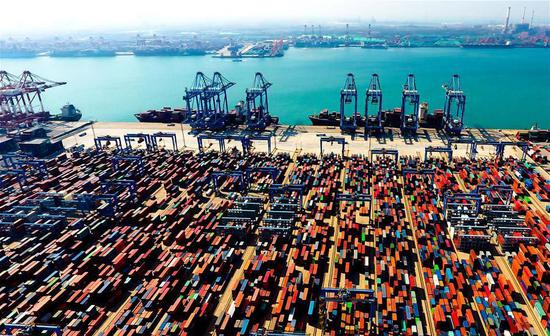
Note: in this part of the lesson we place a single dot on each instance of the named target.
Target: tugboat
(68, 113)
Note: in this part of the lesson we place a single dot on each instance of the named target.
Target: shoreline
(125, 53)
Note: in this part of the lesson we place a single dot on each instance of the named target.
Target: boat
(17, 53)
(68, 113)
(375, 46)
(534, 134)
(326, 118)
(390, 118)
(168, 115)
(164, 115)
(487, 45)
(82, 53)
(168, 51)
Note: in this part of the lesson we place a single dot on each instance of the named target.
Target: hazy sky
(42, 16)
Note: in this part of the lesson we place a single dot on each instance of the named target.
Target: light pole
(93, 130)
(183, 135)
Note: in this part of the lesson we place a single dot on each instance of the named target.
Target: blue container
(310, 311)
(244, 327)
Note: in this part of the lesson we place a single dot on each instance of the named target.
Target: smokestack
(523, 17)
(507, 20)
(347, 29)
(319, 32)
(305, 29)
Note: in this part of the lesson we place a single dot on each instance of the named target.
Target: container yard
(151, 229)
(227, 223)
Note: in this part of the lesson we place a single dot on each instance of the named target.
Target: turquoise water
(505, 88)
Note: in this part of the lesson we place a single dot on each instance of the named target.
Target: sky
(58, 16)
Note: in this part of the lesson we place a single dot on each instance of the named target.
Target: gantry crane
(347, 295)
(373, 123)
(215, 102)
(348, 95)
(455, 104)
(18, 96)
(194, 102)
(409, 106)
(257, 105)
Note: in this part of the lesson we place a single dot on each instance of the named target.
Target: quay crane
(193, 100)
(455, 103)
(257, 105)
(206, 100)
(18, 96)
(215, 105)
(348, 95)
(410, 96)
(373, 123)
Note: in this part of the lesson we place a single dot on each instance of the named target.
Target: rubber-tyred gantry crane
(409, 106)
(373, 122)
(348, 96)
(455, 104)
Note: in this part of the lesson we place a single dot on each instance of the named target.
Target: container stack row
(452, 305)
(398, 290)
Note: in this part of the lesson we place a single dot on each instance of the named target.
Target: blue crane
(214, 100)
(281, 189)
(385, 152)
(461, 199)
(257, 105)
(409, 106)
(332, 140)
(20, 174)
(119, 186)
(240, 176)
(32, 329)
(155, 137)
(132, 159)
(10, 159)
(348, 95)
(140, 137)
(193, 100)
(108, 140)
(348, 295)
(455, 104)
(264, 332)
(22, 161)
(373, 123)
(432, 149)
(274, 172)
(504, 192)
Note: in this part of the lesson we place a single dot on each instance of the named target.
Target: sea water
(505, 88)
